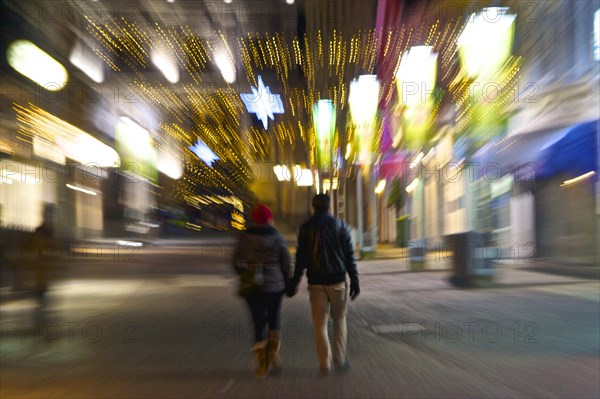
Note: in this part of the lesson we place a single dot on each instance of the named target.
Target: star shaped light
(203, 152)
(262, 102)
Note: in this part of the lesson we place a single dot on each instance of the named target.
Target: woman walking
(263, 263)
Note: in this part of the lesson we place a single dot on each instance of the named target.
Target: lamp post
(484, 46)
(415, 82)
(364, 100)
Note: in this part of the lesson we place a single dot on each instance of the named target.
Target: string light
(217, 114)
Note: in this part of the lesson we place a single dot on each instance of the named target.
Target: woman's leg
(258, 312)
(273, 303)
(274, 321)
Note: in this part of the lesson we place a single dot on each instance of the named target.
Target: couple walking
(325, 251)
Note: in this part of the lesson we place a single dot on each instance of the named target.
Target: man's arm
(292, 285)
(350, 263)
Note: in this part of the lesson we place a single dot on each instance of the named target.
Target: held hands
(354, 290)
(290, 289)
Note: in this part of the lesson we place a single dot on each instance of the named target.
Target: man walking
(325, 251)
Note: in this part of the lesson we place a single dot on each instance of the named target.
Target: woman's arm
(238, 258)
(284, 260)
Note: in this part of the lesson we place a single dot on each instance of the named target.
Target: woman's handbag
(251, 280)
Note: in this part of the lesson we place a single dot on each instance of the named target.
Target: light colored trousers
(324, 298)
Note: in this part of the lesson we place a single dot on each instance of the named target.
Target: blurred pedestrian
(45, 253)
(263, 263)
(325, 251)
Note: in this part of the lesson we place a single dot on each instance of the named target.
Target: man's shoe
(324, 372)
(343, 368)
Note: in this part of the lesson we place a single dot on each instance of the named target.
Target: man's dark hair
(321, 202)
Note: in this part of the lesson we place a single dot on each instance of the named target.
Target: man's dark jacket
(325, 251)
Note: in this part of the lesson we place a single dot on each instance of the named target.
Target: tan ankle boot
(275, 362)
(260, 358)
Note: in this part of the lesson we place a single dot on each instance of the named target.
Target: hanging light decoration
(364, 99)
(486, 41)
(415, 83)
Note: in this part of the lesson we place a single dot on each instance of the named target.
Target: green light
(324, 120)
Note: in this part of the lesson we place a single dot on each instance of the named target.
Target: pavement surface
(164, 322)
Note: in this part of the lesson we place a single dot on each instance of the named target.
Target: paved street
(164, 322)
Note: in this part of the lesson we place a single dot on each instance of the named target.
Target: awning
(573, 154)
(571, 150)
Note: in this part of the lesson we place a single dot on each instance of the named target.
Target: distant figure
(42, 246)
(263, 263)
(325, 251)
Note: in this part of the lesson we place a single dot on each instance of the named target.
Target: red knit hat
(262, 215)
